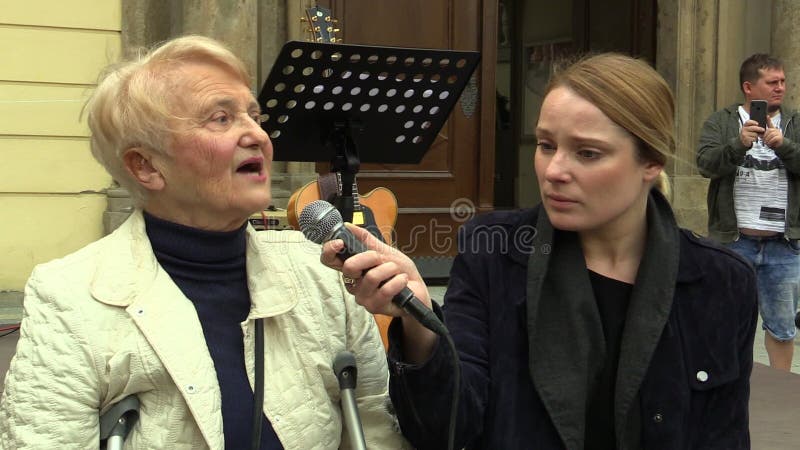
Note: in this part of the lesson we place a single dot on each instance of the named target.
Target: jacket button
(702, 376)
(191, 389)
(658, 418)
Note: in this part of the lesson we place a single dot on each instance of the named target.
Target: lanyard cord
(258, 395)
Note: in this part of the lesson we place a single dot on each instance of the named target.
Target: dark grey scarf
(565, 335)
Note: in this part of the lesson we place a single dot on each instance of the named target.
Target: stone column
(785, 25)
(686, 57)
(234, 22)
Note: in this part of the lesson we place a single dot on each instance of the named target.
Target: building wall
(51, 189)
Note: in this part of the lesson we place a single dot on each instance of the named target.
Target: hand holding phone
(758, 112)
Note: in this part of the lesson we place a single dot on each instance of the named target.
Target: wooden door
(454, 179)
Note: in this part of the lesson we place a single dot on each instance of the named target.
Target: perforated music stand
(349, 104)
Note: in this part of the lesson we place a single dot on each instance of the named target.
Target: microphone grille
(318, 220)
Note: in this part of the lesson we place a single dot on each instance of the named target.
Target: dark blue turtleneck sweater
(209, 267)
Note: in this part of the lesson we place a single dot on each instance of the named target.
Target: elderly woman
(169, 306)
(591, 321)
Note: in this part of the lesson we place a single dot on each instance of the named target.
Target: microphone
(344, 367)
(321, 222)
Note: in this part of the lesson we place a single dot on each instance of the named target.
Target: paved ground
(10, 307)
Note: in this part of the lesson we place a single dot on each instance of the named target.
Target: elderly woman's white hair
(132, 105)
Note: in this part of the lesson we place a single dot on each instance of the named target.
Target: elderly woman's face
(589, 174)
(217, 163)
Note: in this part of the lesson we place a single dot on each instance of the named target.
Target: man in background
(754, 195)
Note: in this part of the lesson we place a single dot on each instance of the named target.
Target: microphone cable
(451, 431)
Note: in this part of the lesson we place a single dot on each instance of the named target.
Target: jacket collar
(128, 267)
(560, 302)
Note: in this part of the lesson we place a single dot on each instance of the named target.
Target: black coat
(520, 309)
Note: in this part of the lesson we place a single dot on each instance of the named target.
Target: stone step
(10, 307)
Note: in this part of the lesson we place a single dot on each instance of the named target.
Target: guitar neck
(356, 203)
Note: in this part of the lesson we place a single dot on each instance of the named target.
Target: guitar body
(378, 209)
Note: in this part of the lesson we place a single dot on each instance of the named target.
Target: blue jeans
(777, 264)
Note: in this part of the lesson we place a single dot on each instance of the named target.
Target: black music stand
(348, 104)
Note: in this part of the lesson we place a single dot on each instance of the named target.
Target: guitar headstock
(322, 25)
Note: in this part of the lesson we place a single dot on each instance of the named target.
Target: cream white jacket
(107, 321)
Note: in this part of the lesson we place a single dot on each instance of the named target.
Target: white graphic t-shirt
(760, 189)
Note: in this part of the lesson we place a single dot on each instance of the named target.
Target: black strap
(258, 395)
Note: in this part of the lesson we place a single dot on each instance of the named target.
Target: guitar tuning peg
(313, 18)
(327, 18)
(319, 39)
(336, 30)
(317, 29)
(309, 30)
(303, 19)
(335, 20)
(329, 29)
(333, 40)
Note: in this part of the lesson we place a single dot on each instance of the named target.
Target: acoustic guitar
(375, 210)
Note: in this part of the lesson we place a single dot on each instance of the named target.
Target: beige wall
(51, 190)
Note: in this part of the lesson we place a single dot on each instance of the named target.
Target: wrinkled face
(771, 86)
(589, 175)
(217, 163)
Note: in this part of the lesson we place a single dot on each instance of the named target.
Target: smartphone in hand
(758, 112)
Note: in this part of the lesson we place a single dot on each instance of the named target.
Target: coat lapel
(565, 335)
(650, 305)
(129, 276)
